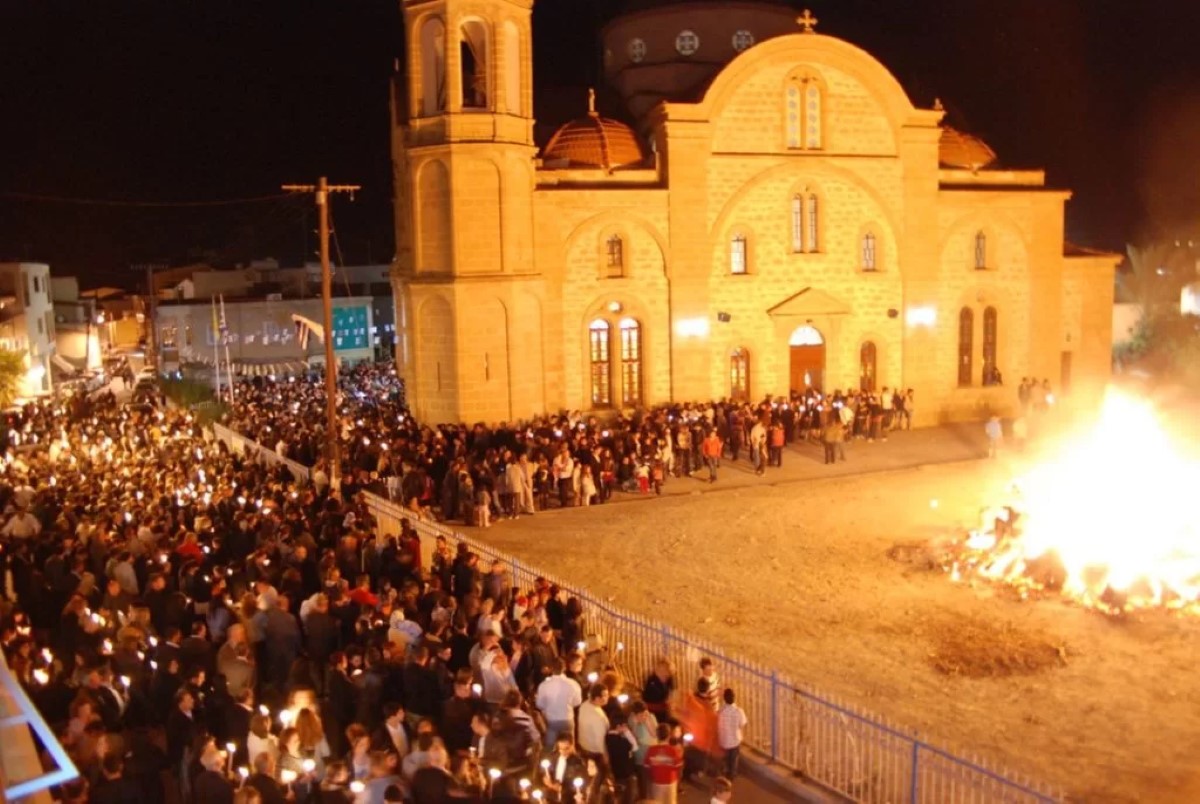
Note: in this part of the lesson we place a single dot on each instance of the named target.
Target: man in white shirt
(593, 723)
(731, 725)
(22, 525)
(564, 474)
(558, 697)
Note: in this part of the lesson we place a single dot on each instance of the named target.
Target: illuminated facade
(779, 215)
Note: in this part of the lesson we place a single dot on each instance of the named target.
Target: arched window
(803, 123)
(614, 249)
(792, 114)
(966, 345)
(631, 363)
(814, 218)
(738, 255)
(599, 339)
(739, 375)
(980, 251)
(797, 223)
(868, 252)
(866, 362)
(812, 116)
(991, 371)
(474, 64)
(433, 67)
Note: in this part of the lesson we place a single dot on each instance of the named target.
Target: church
(775, 215)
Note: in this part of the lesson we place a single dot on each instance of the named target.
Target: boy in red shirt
(664, 766)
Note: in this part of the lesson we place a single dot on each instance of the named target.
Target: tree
(12, 372)
(1156, 275)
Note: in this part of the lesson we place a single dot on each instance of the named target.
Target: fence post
(916, 779)
(774, 716)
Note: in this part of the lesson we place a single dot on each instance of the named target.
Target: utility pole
(322, 189)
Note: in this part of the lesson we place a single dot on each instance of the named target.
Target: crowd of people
(483, 472)
(196, 627)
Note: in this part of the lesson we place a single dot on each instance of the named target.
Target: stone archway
(806, 347)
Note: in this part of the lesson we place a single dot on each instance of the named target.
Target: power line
(108, 202)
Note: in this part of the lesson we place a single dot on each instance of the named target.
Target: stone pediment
(808, 303)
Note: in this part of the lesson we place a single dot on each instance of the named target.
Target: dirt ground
(1111, 714)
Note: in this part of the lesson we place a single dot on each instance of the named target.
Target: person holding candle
(211, 785)
(264, 779)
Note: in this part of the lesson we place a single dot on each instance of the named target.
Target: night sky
(228, 99)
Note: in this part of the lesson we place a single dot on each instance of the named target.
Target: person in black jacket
(210, 785)
(263, 780)
(322, 636)
(620, 745)
(113, 787)
(422, 693)
(181, 729)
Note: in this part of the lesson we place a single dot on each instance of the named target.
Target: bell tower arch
(463, 161)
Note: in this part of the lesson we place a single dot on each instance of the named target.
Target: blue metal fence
(854, 753)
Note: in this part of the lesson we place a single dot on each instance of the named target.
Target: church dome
(957, 149)
(593, 141)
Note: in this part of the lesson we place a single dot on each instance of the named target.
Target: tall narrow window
(474, 64)
(866, 362)
(797, 223)
(980, 251)
(615, 249)
(738, 254)
(601, 365)
(631, 363)
(793, 116)
(803, 122)
(812, 115)
(868, 252)
(966, 345)
(814, 217)
(739, 375)
(991, 371)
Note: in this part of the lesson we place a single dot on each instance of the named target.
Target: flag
(216, 327)
(224, 327)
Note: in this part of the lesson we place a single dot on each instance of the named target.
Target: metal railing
(244, 446)
(835, 744)
(24, 776)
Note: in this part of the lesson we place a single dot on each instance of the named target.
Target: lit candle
(593, 677)
(309, 765)
(537, 795)
(356, 787)
(287, 776)
(622, 699)
(477, 689)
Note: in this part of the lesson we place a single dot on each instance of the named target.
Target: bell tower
(463, 158)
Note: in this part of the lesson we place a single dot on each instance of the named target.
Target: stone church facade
(780, 215)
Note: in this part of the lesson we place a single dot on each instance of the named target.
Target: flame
(1111, 512)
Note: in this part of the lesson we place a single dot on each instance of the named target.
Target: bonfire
(1107, 519)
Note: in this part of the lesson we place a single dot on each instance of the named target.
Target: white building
(261, 333)
(27, 321)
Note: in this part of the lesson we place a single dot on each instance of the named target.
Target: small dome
(957, 149)
(593, 141)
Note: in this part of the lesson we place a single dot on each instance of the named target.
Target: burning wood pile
(1108, 520)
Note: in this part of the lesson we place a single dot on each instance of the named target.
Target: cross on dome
(592, 101)
(807, 21)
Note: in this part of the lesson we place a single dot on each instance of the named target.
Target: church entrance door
(807, 349)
